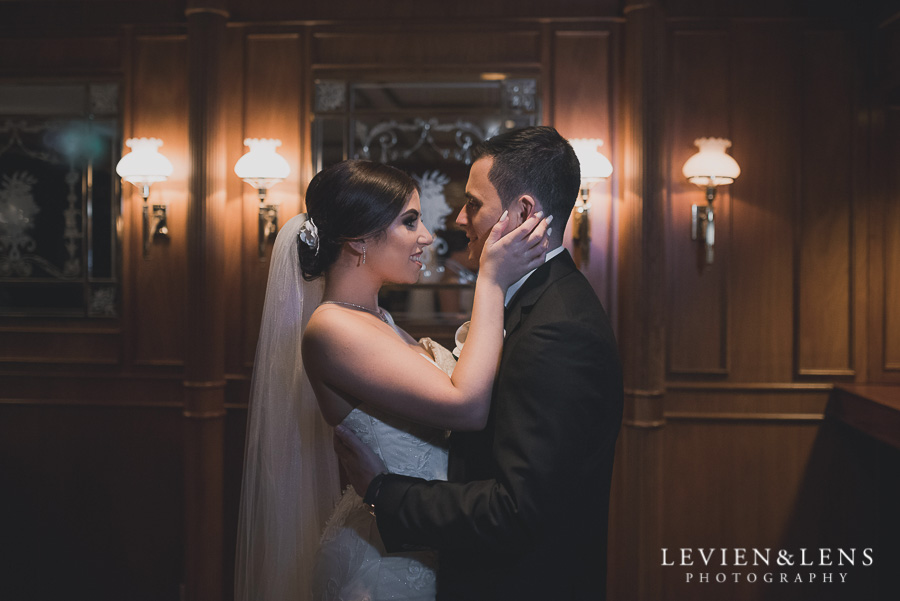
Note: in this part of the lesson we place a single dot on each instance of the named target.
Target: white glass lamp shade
(711, 166)
(594, 165)
(144, 165)
(262, 167)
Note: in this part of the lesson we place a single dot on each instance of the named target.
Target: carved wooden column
(204, 384)
(641, 302)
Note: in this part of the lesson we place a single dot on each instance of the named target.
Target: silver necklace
(379, 314)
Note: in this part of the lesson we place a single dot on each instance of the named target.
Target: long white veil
(291, 477)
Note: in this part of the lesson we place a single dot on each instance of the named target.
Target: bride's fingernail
(539, 214)
(549, 220)
(549, 230)
(504, 215)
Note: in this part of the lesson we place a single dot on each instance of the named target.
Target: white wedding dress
(290, 484)
(352, 564)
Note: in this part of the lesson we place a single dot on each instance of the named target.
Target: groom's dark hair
(536, 161)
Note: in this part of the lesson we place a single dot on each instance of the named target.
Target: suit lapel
(525, 298)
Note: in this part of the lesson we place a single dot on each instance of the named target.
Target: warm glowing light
(711, 166)
(262, 167)
(594, 165)
(144, 165)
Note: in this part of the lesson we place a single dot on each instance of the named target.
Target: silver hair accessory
(309, 234)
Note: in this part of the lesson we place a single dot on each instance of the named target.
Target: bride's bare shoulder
(335, 329)
(324, 324)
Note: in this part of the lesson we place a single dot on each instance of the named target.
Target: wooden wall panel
(715, 472)
(748, 459)
(890, 334)
(825, 212)
(96, 497)
(766, 485)
(236, 205)
(60, 346)
(272, 109)
(379, 11)
(760, 268)
(432, 48)
(719, 402)
(36, 385)
(582, 72)
(159, 282)
(60, 56)
(700, 107)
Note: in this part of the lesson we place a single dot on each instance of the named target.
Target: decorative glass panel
(59, 206)
(427, 129)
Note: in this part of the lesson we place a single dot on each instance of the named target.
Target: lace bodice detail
(406, 448)
(352, 564)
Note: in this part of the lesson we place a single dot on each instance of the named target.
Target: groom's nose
(462, 218)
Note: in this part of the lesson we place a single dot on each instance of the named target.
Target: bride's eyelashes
(411, 219)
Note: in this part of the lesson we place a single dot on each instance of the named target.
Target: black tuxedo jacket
(524, 514)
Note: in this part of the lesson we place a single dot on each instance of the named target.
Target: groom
(524, 514)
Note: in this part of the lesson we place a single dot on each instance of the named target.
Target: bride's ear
(358, 247)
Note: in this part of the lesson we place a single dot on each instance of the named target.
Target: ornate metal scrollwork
(520, 94)
(381, 142)
(330, 96)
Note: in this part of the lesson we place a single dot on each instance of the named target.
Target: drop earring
(364, 254)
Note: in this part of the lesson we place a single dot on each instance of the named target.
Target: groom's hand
(360, 463)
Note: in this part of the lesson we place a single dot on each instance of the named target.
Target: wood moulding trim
(211, 414)
(61, 330)
(452, 24)
(429, 28)
(826, 372)
(385, 66)
(159, 362)
(210, 11)
(275, 35)
(50, 402)
(58, 361)
(744, 417)
(644, 409)
(175, 36)
(579, 33)
(210, 384)
(751, 386)
(717, 371)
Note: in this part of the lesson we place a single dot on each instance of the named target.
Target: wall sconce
(594, 167)
(709, 168)
(143, 167)
(262, 167)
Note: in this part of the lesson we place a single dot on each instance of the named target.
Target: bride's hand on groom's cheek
(360, 463)
(507, 256)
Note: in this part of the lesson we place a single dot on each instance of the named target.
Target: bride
(363, 229)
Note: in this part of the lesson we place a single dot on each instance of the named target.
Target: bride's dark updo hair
(351, 200)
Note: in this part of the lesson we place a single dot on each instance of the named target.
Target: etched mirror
(427, 129)
(59, 248)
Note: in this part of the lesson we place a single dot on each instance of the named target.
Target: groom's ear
(523, 208)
